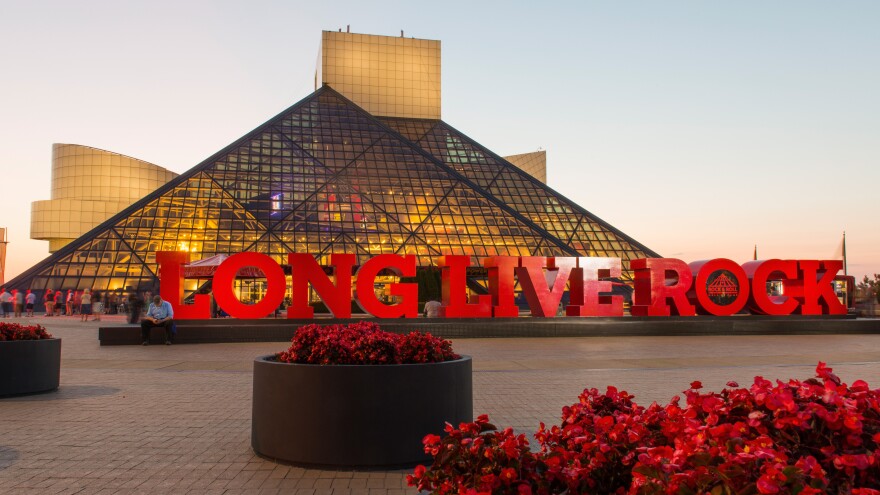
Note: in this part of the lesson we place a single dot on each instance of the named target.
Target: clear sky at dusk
(698, 128)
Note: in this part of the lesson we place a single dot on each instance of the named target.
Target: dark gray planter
(366, 416)
(29, 366)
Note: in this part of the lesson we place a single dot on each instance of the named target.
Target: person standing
(69, 303)
(97, 306)
(159, 314)
(59, 302)
(30, 299)
(85, 307)
(49, 302)
(135, 305)
(5, 302)
(77, 301)
(18, 300)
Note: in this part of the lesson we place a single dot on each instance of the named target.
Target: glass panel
(327, 177)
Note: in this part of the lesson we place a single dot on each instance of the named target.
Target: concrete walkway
(176, 419)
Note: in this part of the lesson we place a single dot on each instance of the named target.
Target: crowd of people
(83, 303)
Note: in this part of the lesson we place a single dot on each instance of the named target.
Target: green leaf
(720, 490)
(686, 491)
(751, 489)
(650, 472)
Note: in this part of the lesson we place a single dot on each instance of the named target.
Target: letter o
(702, 270)
(224, 285)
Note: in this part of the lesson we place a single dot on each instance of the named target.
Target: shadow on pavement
(8, 456)
(64, 392)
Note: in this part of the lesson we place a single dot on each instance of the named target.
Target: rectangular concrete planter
(29, 366)
(351, 416)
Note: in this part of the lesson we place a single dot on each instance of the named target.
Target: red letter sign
(306, 270)
(501, 271)
(402, 266)
(760, 272)
(543, 300)
(651, 292)
(721, 287)
(586, 286)
(453, 277)
(171, 287)
(224, 285)
(818, 289)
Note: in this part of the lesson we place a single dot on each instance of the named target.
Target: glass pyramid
(325, 176)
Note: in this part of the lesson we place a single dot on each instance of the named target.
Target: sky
(701, 129)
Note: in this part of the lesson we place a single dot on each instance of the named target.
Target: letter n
(305, 271)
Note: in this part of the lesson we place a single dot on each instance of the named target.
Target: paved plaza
(176, 419)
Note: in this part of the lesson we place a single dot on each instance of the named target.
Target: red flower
(825, 373)
(15, 331)
(363, 343)
(508, 475)
(735, 441)
(812, 491)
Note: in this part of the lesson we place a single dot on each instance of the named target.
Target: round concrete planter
(29, 366)
(349, 416)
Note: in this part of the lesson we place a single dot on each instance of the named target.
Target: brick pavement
(176, 419)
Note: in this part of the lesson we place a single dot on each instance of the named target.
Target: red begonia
(363, 343)
(796, 437)
(15, 331)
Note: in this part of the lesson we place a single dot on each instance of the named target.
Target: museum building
(364, 165)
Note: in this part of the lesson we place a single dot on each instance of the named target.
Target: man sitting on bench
(159, 314)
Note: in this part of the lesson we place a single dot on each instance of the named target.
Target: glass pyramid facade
(325, 176)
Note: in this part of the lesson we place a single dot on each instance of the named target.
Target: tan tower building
(534, 164)
(392, 76)
(385, 75)
(90, 185)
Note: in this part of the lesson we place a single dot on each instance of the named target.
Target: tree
(870, 287)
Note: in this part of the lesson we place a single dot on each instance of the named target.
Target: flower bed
(797, 437)
(364, 343)
(14, 331)
(30, 360)
(355, 396)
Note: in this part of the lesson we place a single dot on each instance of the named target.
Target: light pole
(3, 244)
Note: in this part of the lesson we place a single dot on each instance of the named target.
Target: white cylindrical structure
(90, 185)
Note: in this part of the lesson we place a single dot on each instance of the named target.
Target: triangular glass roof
(325, 176)
(552, 212)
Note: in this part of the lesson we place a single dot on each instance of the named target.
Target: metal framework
(325, 176)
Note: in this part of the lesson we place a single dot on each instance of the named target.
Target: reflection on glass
(327, 177)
